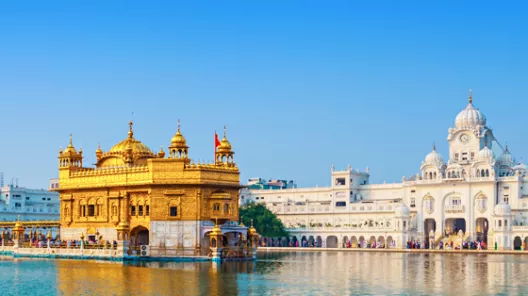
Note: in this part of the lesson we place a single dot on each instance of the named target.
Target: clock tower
(469, 136)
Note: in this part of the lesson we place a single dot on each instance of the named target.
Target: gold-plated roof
(130, 143)
(70, 149)
(225, 146)
(178, 141)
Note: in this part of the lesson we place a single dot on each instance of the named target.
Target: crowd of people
(58, 243)
(472, 245)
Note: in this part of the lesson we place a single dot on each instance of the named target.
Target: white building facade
(29, 204)
(474, 196)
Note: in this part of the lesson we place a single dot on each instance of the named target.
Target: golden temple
(165, 201)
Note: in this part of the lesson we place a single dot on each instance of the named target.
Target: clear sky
(301, 85)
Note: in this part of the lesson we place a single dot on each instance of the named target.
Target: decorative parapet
(86, 172)
(455, 209)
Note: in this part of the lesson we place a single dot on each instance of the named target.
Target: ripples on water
(302, 273)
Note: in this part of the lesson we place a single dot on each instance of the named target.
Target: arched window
(226, 209)
(478, 173)
(429, 204)
(487, 173)
(216, 207)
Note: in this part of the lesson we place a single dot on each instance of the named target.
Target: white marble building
(29, 204)
(484, 196)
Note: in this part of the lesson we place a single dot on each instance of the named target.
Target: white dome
(486, 155)
(502, 209)
(401, 211)
(520, 167)
(434, 158)
(506, 158)
(470, 117)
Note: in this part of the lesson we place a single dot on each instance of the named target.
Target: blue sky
(301, 85)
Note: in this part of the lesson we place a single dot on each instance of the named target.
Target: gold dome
(70, 149)
(252, 231)
(216, 231)
(99, 150)
(161, 153)
(130, 143)
(18, 225)
(128, 151)
(225, 146)
(178, 141)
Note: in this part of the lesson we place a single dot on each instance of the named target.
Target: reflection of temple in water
(152, 278)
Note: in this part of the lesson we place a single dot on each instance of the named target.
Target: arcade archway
(454, 225)
(331, 241)
(482, 225)
(139, 236)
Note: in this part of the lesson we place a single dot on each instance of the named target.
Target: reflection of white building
(474, 191)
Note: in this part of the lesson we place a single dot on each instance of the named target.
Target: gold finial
(216, 223)
(71, 141)
(470, 96)
(130, 130)
(225, 131)
(178, 125)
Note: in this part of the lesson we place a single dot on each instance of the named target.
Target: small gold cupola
(224, 153)
(98, 152)
(161, 153)
(178, 147)
(70, 157)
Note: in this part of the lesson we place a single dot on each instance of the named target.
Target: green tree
(265, 222)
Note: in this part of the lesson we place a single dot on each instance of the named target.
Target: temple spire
(179, 125)
(130, 129)
(225, 131)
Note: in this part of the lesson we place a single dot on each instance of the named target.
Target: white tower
(469, 136)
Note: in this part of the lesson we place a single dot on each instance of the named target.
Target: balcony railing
(455, 209)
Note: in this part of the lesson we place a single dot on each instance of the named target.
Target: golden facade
(132, 189)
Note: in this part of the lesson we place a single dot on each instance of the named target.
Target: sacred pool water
(289, 273)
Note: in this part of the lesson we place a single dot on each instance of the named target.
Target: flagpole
(214, 154)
